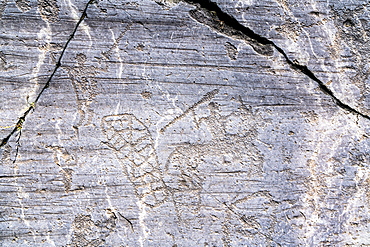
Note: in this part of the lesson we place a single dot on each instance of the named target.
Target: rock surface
(184, 123)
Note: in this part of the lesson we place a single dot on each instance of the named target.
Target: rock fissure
(210, 14)
(31, 107)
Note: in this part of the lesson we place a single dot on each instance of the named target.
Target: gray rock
(184, 123)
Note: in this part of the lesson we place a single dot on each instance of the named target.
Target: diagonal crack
(21, 120)
(210, 14)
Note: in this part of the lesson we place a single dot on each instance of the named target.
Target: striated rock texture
(184, 123)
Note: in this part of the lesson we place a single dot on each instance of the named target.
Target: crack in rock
(210, 14)
(21, 120)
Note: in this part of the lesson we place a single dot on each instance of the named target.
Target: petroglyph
(23, 5)
(287, 168)
(2, 7)
(87, 232)
(49, 10)
(85, 87)
(133, 146)
(207, 97)
(231, 51)
(4, 65)
(191, 168)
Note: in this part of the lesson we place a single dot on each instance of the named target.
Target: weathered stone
(184, 123)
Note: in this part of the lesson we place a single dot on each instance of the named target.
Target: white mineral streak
(112, 208)
(142, 215)
(49, 240)
(270, 161)
(117, 109)
(120, 71)
(76, 15)
(20, 196)
(108, 198)
(166, 116)
(44, 37)
(60, 132)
